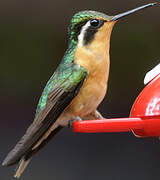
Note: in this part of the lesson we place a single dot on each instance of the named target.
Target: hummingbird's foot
(77, 118)
(94, 115)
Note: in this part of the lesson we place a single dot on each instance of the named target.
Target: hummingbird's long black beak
(118, 16)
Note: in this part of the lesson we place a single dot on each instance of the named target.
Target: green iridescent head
(95, 20)
(81, 18)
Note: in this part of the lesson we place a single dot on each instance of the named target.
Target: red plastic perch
(141, 127)
(108, 125)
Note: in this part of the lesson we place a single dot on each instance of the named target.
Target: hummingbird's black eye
(96, 23)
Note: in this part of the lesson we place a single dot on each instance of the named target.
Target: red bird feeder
(144, 120)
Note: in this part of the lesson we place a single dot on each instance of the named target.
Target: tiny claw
(77, 118)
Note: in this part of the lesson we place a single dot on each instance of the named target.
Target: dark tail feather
(45, 142)
(26, 158)
(23, 162)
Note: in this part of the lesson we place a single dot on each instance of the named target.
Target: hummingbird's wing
(57, 95)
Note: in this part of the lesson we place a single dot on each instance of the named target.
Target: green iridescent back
(56, 77)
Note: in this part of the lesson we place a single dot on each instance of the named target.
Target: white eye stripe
(82, 33)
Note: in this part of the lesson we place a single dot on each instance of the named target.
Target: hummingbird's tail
(25, 161)
(21, 167)
(16, 156)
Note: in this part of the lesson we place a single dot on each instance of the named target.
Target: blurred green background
(33, 38)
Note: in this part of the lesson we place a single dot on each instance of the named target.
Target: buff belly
(90, 96)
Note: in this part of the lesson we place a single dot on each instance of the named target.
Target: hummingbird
(76, 88)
